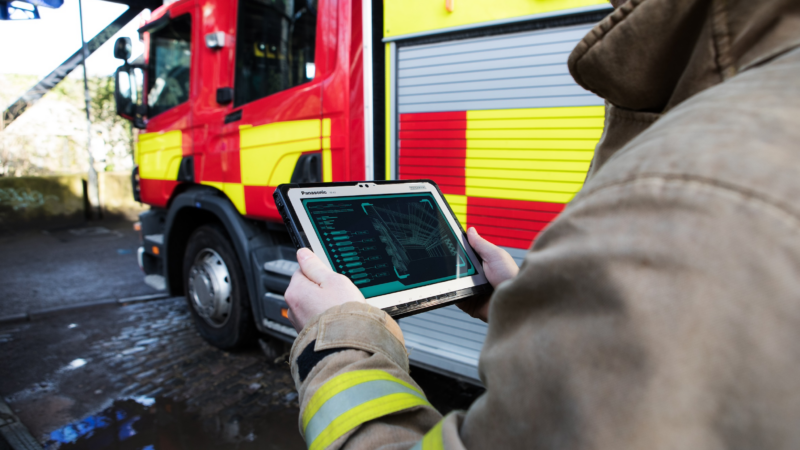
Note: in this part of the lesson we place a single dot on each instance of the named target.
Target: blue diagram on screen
(388, 243)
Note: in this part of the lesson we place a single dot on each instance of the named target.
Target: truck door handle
(234, 116)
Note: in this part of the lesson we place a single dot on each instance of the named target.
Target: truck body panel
(243, 96)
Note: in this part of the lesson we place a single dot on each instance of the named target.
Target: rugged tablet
(398, 241)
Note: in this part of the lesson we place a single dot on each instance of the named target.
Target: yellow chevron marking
(159, 155)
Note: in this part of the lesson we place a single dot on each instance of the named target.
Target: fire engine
(234, 98)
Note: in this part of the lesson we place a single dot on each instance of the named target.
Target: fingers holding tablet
(498, 263)
(399, 244)
(315, 288)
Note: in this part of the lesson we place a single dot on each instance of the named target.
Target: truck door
(169, 111)
(275, 116)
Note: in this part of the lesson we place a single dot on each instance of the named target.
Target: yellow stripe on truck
(458, 203)
(159, 155)
(537, 154)
(416, 16)
(327, 163)
(268, 153)
(388, 112)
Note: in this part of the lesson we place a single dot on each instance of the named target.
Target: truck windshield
(168, 68)
(274, 47)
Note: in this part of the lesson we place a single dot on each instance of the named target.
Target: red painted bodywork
(336, 93)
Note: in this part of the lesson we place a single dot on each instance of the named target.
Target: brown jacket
(662, 308)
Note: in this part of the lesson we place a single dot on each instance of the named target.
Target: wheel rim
(210, 288)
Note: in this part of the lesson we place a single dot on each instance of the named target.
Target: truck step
(157, 282)
(281, 267)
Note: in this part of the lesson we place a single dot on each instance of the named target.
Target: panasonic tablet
(398, 241)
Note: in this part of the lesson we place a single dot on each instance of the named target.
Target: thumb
(313, 267)
(485, 249)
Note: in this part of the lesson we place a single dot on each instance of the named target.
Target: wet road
(42, 269)
(139, 376)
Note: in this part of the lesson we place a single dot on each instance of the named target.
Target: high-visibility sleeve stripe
(356, 405)
(342, 382)
(433, 439)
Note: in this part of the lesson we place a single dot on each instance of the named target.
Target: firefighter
(660, 310)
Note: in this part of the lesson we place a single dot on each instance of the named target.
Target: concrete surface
(63, 266)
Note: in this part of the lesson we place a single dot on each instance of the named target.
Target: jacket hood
(650, 55)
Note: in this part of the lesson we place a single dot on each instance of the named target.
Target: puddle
(163, 424)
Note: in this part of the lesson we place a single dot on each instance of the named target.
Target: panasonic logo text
(312, 192)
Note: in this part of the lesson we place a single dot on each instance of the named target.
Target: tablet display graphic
(388, 243)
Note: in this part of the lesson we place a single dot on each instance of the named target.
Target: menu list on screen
(388, 243)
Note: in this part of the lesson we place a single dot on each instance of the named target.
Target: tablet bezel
(289, 199)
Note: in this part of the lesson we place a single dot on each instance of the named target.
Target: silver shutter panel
(520, 70)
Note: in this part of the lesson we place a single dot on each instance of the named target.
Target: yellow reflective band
(433, 439)
(342, 382)
(365, 412)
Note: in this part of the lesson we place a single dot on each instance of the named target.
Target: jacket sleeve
(351, 369)
(641, 319)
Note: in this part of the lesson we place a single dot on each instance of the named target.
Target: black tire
(234, 329)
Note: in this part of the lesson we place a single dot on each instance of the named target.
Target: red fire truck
(236, 97)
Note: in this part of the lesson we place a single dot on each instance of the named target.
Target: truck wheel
(216, 291)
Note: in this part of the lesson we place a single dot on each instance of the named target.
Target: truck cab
(234, 98)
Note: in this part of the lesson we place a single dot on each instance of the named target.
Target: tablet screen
(388, 243)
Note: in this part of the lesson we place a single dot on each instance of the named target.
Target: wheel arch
(196, 207)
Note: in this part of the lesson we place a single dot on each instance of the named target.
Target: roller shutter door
(501, 126)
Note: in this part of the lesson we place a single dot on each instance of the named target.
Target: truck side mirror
(122, 48)
(125, 91)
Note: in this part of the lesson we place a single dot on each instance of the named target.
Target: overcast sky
(37, 47)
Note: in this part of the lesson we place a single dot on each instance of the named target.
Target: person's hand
(498, 266)
(315, 288)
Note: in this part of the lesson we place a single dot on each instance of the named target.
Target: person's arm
(350, 364)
